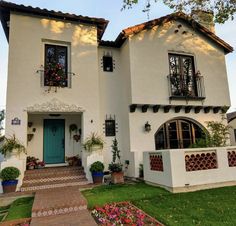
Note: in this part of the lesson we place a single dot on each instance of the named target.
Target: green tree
(217, 135)
(2, 116)
(223, 9)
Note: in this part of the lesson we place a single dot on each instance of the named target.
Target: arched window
(178, 133)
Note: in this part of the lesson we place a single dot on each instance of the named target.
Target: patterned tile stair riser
(53, 178)
(41, 187)
(59, 211)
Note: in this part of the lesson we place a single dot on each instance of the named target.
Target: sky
(111, 10)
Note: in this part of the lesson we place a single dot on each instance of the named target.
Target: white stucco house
(153, 88)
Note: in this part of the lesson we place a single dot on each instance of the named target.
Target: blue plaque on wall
(15, 121)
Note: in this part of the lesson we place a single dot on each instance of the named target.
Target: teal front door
(54, 141)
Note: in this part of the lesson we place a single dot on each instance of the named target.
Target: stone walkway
(61, 206)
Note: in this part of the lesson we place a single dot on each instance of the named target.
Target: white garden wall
(211, 167)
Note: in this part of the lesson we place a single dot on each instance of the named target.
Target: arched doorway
(178, 133)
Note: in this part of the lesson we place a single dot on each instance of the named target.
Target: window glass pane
(107, 63)
(182, 75)
(55, 66)
(160, 139)
(180, 133)
(174, 144)
(110, 128)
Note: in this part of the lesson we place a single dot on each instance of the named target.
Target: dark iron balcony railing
(186, 87)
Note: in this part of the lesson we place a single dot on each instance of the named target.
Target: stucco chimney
(205, 18)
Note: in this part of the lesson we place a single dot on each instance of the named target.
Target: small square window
(107, 63)
(110, 128)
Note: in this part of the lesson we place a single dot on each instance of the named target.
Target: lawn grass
(20, 208)
(206, 208)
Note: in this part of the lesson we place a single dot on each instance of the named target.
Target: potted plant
(93, 143)
(117, 174)
(40, 164)
(30, 165)
(73, 128)
(74, 160)
(31, 162)
(11, 146)
(97, 172)
(9, 176)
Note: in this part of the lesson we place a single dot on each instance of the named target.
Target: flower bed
(122, 213)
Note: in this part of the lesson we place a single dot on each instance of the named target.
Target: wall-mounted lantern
(147, 127)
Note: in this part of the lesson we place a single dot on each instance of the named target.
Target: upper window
(110, 127)
(107, 63)
(235, 134)
(183, 80)
(56, 66)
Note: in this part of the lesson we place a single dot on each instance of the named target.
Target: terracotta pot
(9, 186)
(97, 177)
(117, 177)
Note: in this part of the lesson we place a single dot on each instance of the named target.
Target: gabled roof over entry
(162, 20)
(7, 7)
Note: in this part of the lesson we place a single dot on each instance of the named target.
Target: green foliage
(93, 140)
(2, 116)
(97, 167)
(219, 133)
(9, 173)
(11, 144)
(223, 9)
(205, 208)
(216, 136)
(115, 165)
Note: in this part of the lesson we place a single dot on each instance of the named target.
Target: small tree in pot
(9, 176)
(97, 169)
(117, 176)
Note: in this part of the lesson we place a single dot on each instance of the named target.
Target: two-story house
(152, 88)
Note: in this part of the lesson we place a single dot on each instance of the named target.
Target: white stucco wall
(115, 97)
(150, 65)
(175, 177)
(26, 54)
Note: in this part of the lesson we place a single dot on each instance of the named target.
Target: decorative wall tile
(201, 161)
(232, 158)
(156, 162)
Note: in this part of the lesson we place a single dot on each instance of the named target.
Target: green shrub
(9, 173)
(115, 167)
(97, 167)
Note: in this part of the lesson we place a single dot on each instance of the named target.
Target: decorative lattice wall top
(156, 162)
(200, 161)
(232, 158)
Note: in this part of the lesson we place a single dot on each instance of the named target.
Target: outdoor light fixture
(147, 127)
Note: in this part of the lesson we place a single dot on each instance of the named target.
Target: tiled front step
(53, 179)
(58, 201)
(53, 172)
(53, 184)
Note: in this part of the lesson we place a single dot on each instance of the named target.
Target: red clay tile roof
(7, 7)
(174, 16)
